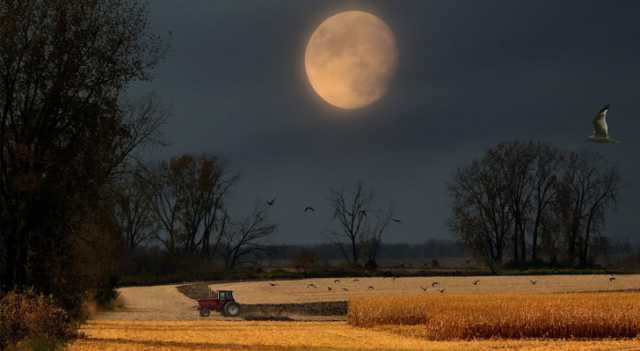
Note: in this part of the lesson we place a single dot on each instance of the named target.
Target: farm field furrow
(343, 289)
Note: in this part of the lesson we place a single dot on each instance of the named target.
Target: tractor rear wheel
(204, 312)
(231, 309)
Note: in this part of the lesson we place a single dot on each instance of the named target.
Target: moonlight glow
(350, 58)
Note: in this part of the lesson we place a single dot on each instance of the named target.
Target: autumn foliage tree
(65, 132)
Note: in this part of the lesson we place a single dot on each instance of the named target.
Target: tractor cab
(225, 295)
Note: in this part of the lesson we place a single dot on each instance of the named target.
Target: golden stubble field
(173, 333)
(289, 336)
(343, 289)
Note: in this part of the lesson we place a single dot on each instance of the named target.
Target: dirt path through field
(162, 302)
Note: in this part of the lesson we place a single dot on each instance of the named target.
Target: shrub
(435, 263)
(37, 344)
(304, 261)
(371, 265)
(106, 292)
(33, 317)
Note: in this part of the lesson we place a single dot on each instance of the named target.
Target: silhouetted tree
(361, 225)
(547, 165)
(480, 205)
(244, 239)
(586, 191)
(188, 199)
(65, 131)
(133, 208)
(532, 197)
(375, 227)
(350, 211)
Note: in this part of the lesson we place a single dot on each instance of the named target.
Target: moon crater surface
(350, 58)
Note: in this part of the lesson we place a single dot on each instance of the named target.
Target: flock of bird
(312, 209)
(435, 285)
(600, 135)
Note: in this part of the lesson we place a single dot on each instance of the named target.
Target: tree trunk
(21, 261)
(534, 237)
(354, 251)
(516, 257)
(523, 244)
(11, 256)
(584, 252)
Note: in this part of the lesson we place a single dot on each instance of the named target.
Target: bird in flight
(271, 202)
(272, 284)
(601, 129)
(309, 208)
(423, 288)
(612, 278)
(533, 281)
(396, 220)
(434, 284)
(475, 282)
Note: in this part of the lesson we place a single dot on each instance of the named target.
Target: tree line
(533, 203)
(182, 204)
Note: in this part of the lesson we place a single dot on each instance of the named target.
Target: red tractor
(220, 301)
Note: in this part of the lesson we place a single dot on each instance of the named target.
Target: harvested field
(290, 336)
(317, 290)
(514, 316)
(161, 318)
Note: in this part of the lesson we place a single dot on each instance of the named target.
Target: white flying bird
(600, 128)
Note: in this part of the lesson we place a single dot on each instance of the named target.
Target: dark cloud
(470, 74)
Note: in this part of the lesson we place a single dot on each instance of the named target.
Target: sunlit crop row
(289, 336)
(581, 315)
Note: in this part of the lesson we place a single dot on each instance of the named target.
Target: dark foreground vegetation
(34, 320)
(67, 133)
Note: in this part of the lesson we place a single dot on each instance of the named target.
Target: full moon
(350, 58)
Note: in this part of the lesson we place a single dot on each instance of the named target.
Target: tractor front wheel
(204, 312)
(231, 309)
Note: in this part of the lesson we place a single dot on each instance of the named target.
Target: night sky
(470, 74)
